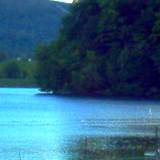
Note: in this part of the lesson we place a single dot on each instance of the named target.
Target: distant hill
(25, 23)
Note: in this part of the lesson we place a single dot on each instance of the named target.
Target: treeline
(17, 72)
(105, 47)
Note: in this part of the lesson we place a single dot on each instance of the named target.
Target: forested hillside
(106, 47)
(25, 23)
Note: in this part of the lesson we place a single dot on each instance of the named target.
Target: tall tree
(107, 48)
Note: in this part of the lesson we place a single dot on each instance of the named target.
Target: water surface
(35, 126)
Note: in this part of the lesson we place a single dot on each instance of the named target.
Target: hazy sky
(68, 1)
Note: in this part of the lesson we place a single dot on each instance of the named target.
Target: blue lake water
(39, 126)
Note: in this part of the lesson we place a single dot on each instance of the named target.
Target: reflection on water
(108, 148)
(45, 127)
(92, 148)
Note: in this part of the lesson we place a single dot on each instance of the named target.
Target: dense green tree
(105, 47)
(12, 70)
(17, 69)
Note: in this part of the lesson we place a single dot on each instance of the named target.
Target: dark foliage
(106, 47)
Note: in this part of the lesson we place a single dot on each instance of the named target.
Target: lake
(34, 125)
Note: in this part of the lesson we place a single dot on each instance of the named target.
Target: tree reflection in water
(110, 148)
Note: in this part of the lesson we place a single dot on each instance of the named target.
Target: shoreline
(75, 95)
